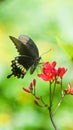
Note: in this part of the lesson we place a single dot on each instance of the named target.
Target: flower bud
(31, 86)
(26, 90)
(34, 82)
(36, 102)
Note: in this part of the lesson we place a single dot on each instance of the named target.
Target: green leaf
(67, 47)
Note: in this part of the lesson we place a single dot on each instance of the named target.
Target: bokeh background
(50, 24)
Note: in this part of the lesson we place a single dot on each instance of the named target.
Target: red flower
(61, 72)
(69, 90)
(49, 71)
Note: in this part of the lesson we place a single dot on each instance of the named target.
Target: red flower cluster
(49, 72)
(69, 90)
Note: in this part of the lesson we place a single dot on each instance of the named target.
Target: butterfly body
(28, 56)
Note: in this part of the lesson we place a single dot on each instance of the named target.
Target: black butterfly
(28, 56)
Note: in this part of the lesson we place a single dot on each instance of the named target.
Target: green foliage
(67, 47)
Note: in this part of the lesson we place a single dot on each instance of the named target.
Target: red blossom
(54, 64)
(48, 71)
(70, 89)
(61, 71)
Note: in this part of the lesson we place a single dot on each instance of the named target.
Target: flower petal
(44, 77)
(61, 72)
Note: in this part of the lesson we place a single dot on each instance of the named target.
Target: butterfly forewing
(25, 46)
(30, 45)
(22, 48)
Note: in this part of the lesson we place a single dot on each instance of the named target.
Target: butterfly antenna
(9, 75)
(45, 52)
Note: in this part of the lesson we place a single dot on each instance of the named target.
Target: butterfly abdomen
(17, 69)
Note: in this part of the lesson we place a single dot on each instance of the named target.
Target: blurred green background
(50, 24)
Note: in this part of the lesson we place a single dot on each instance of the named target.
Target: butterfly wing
(30, 45)
(22, 48)
(25, 46)
(20, 65)
(29, 56)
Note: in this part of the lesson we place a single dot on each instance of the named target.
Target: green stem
(34, 91)
(45, 105)
(52, 120)
(61, 88)
(50, 110)
(63, 95)
(54, 90)
(50, 95)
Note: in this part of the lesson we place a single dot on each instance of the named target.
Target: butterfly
(28, 56)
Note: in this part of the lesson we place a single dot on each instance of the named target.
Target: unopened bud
(37, 97)
(31, 86)
(58, 82)
(36, 102)
(26, 90)
(34, 82)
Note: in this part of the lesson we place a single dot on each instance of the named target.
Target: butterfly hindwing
(20, 65)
